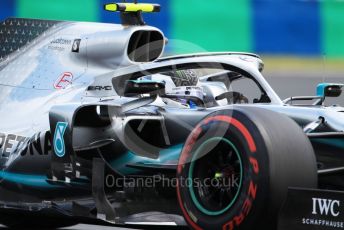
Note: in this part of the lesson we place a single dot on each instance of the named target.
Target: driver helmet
(189, 96)
(181, 88)
(186, 90)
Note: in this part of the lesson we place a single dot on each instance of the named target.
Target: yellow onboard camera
(131, 13)
(132, 7)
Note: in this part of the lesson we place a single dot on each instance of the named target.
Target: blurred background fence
(289, 34)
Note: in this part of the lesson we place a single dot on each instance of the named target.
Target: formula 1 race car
(96, 127)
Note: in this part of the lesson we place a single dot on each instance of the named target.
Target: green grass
(73, 10)
(333, 27)
(219, 25)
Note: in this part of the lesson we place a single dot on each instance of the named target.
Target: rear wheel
(237, 165)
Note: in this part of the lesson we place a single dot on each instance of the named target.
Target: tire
(259, 152)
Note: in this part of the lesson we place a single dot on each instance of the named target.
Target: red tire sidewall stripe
(186, 215)
(237, 124)
(191, 141)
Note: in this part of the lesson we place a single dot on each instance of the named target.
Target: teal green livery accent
(321, 88)
(26, 179)
(336, 142)
(169, 155)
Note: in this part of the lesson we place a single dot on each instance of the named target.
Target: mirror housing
(329, 90)
(134, 88)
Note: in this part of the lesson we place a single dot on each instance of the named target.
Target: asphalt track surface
(305, 85)
(285, 85)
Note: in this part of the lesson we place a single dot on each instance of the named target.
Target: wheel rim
(216, 188)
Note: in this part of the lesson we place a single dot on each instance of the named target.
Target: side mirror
(134, 88)
(329, 90)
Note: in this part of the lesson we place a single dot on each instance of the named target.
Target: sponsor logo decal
(316, 209)
(325, 212)
(247, 59)
(9, 143)
(39, 144)
(99, 88)
(61, 41)
(76, 46)
(325, 207)
(64, 81)
(59, 144)
(59, 44)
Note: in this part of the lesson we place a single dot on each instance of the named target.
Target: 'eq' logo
(64, 80)
(59, 144)
(326, 207)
